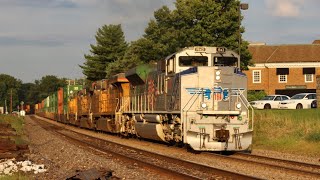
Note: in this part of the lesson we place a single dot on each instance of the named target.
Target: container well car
(299, 101)
(269, 102)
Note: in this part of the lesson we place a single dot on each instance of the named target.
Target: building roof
(285, 53)
(316, 41)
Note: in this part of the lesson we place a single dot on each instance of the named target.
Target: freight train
(195, 97)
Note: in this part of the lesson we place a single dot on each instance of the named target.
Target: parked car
(269, 102)
(299, 101)
(15, 113)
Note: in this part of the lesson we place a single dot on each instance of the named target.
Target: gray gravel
(62, 159)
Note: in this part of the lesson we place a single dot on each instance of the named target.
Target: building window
(256, 76)
(308, 74)
(308, 77)
(282, 78)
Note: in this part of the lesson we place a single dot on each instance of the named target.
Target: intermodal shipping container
(60, 104)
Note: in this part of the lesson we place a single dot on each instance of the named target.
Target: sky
(50, 37)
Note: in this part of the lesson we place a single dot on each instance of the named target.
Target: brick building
(284, 69)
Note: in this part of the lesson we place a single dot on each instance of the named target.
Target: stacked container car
(60, 116)
(46, 106)
(41, 108)
(52, 108)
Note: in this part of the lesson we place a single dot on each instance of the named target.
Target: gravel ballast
(62, 158)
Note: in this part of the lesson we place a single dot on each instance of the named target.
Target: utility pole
(242, 6)
(11, 102)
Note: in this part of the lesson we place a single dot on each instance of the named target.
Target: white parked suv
(299, 101)
(269, 102)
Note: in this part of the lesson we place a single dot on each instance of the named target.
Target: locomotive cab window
(193, 61)
(225, 61)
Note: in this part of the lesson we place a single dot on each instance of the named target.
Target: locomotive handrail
(246, 103)
(118, 104)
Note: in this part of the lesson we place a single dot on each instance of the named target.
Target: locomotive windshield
(225, 61)
(193, 61)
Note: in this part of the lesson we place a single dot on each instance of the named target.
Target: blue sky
(49, 37)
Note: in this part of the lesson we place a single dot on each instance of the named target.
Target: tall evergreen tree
(104, 56)
(194, 23)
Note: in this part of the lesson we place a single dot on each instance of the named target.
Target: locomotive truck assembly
(195, 97)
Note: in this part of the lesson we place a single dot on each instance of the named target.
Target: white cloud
(84, 2)
(285, 8)
(51, 36)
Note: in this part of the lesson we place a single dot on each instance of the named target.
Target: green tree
(256, 95)
(48, 84)
(135, 55)
(28, 93)
(9, 86)
(105, 55)
(194, 23)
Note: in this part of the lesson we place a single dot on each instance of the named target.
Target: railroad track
(171, 167)
(299, 169)
(289, 165)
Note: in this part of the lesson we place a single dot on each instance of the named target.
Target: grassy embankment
(292, 131)
(17, 123)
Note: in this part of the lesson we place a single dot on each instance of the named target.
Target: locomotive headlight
(218, 73)
(238, 105)
(203, 105)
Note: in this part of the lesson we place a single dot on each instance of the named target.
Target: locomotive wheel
(179, 144)
(124, 135)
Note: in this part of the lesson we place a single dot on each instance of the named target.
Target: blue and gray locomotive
(196, 96)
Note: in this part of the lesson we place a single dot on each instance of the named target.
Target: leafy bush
(255, 95)
(16, 122)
